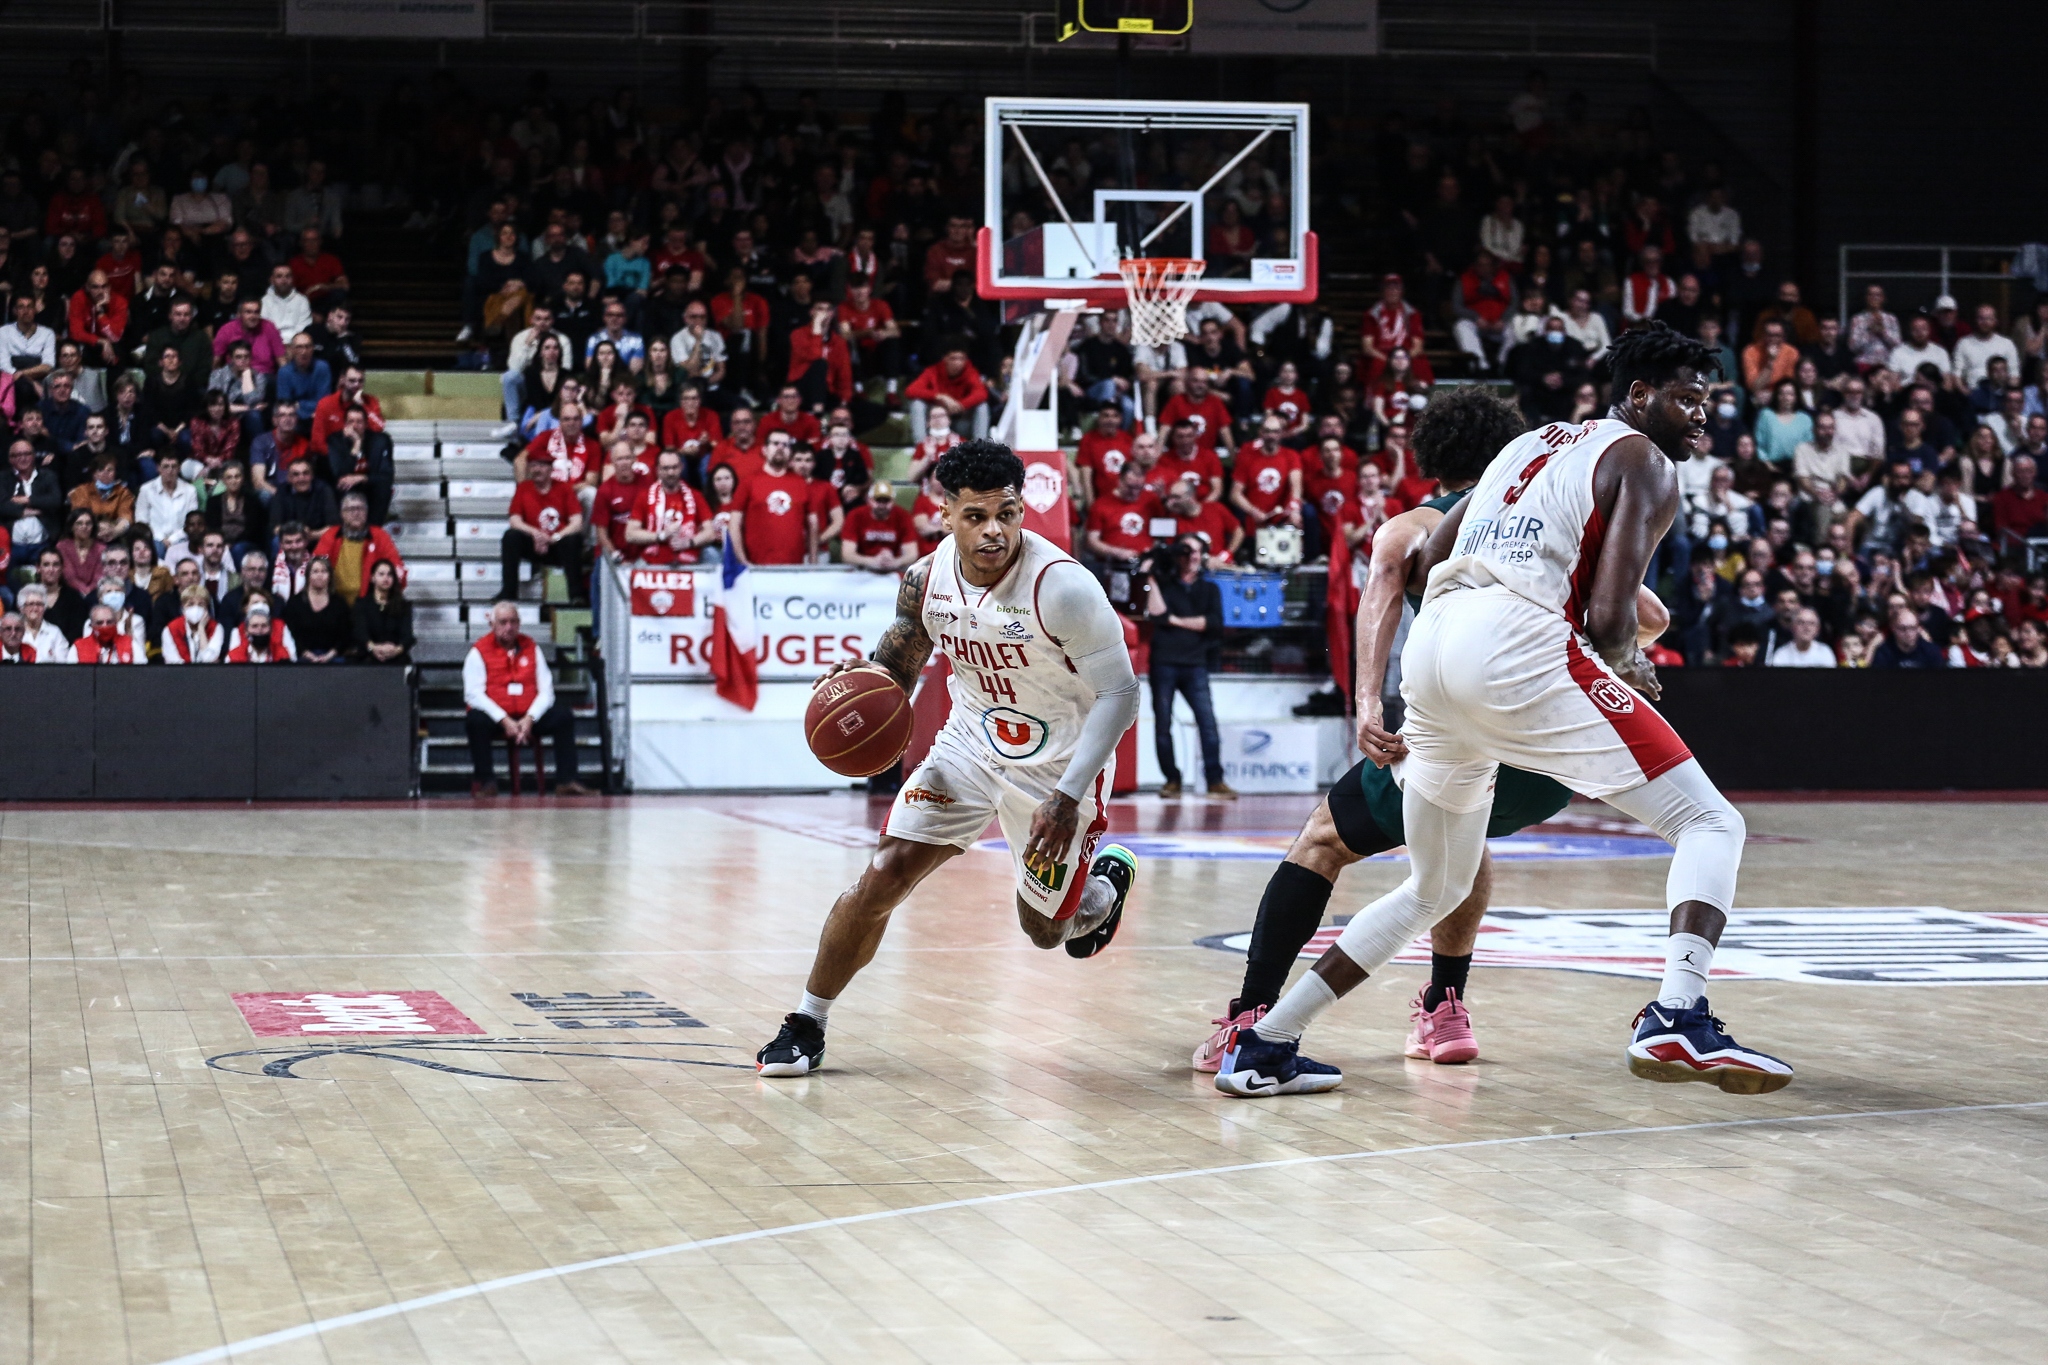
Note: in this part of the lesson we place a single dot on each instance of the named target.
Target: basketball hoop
(1159, 288)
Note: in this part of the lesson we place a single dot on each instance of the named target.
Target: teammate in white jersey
(1042, 689)
(1526, 653)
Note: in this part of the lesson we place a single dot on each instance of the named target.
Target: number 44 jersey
(1017, 702)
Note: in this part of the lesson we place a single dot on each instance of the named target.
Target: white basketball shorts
(1490, 677)
(954, 793)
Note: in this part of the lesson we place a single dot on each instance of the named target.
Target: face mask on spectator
(1725, 411)
(1825, 567)
(1554, 338)
(105, 632)
(198, 184)
(104, 488)
(114, 600)
(194, 614)
(1717, 543)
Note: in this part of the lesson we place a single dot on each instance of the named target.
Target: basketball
(858, 722)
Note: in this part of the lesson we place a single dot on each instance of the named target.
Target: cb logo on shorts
(1609, 695)
(1014, 734)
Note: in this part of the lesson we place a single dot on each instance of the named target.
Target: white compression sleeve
(1077, 612)
(1444, 849)
(1705, 832)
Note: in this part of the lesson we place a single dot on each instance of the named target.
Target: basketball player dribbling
(1042, 689)
(1526, 653)
(1458, 436)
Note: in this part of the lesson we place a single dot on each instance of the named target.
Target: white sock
(1687, 959)
(1297, 1009)
(817, 1006)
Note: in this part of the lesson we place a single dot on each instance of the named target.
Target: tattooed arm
(904, 646)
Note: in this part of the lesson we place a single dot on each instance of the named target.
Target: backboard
(1075, 185)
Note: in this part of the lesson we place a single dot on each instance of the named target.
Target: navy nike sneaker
(1692, 1045)
(1253, 1067)
(798, 1050)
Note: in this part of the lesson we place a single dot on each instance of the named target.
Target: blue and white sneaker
(1692, 1045)
(1254, 1067)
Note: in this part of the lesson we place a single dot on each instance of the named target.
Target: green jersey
(1519, 799)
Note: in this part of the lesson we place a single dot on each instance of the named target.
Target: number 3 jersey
(1532, 525)
(1017, 701)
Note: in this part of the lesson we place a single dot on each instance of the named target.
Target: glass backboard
(1073, 186)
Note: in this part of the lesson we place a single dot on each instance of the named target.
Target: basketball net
(1159, 288)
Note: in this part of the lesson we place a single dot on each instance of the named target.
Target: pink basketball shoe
(1443, 1034)
(1209, 1056)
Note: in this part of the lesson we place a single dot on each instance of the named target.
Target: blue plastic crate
(1252, 599)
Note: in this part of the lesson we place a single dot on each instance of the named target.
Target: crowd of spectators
(194, 471)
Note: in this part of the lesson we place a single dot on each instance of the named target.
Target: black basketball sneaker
(797, 1051)
(1120, 866)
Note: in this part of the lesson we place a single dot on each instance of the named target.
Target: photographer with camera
(1185, 611)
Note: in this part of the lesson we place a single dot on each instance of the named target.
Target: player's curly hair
(1654, 352)
(982, 465)
(1461, 430)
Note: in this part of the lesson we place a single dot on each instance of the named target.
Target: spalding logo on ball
(858, 722)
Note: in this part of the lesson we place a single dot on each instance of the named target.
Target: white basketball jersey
(1015, 695)
(1531, 524)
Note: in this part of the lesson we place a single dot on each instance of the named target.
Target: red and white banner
(805, 620)
(321, 1014)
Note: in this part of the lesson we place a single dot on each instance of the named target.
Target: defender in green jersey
(1457, 438)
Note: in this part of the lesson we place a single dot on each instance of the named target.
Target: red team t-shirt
(870, 533)
(1201, 470)
(1103, 456)
(745, 463)
(661, 511)
(1263, 478)
(1213, 523)
(1124, 525)
(677, 431)
(774, 509)
(1290, 404)
(572, 460)
(802, 428)
(550, 511)
(1211, 418)
(876, 314)
(1327, 493)
(612, 509)
(934, 511)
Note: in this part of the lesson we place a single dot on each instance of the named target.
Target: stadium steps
(406, 293)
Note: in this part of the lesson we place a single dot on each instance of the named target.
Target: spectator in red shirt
(954, 251)
(953, 384)
(1326, 488)
(547, 528)
(1119, 524)
(616, 499)
(692, 429)
(98, 319)
(1481, 301)
(2021, 507)
(1186, 457)
(318, 273)
(1392, 322)
(742, 449)
(327, 413)
(878, 534)
(820, 362)
(567, 448)
(788, 415)
(670, 523)
(122, 263)
(1211, 522)
(1104, 448)
(1203, 409)
(75, 209)
(869, 325)
(1265, 484)
(771, 512)
(741, 317)
(826, 500)
(1365, 513)
(928, 514)
(1288, 399)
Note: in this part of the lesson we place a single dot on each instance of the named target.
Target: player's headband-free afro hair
(981, 465)
(1461, 431)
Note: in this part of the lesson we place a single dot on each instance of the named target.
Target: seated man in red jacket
(507, 690)
(355, 547)
(952, 384)
(820, 364)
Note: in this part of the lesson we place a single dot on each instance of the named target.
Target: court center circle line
(390, 1310)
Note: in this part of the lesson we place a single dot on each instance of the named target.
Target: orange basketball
(858, 722)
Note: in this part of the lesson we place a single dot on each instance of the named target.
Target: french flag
(734, 636)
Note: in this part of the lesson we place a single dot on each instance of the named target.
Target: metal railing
(1922, 264)
(615, 647)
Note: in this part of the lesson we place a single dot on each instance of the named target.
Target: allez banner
(809, 619)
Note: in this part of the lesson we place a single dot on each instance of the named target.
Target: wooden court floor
(1006, 1158)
